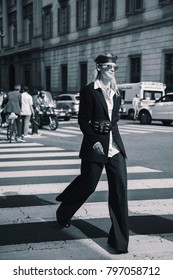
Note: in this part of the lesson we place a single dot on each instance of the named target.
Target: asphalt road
(146, 145)
(32, 173)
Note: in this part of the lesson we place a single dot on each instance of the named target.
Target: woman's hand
(98, 148)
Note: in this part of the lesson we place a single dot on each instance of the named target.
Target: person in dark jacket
(13, 105)
(35, 119)
(101, 147)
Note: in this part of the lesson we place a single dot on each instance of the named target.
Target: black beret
(104, 58)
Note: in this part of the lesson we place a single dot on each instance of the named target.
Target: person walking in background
(1, 106)
(101, 147)
(34, 121)
(13, 105)
(3, 101)
(26, 111)
(135, 103)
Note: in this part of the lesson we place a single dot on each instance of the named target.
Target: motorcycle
(47, 113)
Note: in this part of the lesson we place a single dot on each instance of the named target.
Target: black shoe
(117, 252)
(59, 198)
(63, 225)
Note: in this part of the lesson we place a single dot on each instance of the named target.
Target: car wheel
(144, 117)
(167, 122)
(131, 114)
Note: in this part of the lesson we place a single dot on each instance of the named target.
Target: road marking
(11, 145)
(41, 215)
(94, 248)
(50, 188)
(64, 172)
(55, 133)
(90, 210)
(144, 128)
(40, 155)
(32, 149)
(133, 131)
(70, 131)
(72, 128)
(40, 163)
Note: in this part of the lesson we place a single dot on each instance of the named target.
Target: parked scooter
(47, 113)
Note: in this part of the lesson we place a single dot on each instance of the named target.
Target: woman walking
(101, 147)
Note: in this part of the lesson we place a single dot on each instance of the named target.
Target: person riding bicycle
(13, 105)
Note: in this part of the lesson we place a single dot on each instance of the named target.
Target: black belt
(101, 127)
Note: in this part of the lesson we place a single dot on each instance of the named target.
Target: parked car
(64, 111)
(72, 100)
(161, 110)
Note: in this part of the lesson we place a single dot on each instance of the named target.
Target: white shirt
(26, 104)
(113, 149)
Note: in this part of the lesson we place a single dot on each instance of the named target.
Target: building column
(19, 21)
(5, 23)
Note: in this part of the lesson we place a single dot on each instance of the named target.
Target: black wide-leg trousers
(85, 184)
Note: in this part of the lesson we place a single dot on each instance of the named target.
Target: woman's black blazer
(93, 107)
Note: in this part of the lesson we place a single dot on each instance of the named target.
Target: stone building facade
(52, 44)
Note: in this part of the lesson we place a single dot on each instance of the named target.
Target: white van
(148, 92)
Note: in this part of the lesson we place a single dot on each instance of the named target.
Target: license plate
(62, 114)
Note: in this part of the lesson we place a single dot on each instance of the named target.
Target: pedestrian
(41, 99)
(13, 105)
(1, 105)
(135, 103)
(101, 147)
(35, 119)
(26, 111)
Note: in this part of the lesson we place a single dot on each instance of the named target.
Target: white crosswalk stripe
(22, 162)
(124, 129)
(67, 131)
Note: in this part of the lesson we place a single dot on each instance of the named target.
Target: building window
(83, 74)
(27, 77)
(47, 22)
(82, 13)
(165, 2)
(28, 22)
(30, 29)
(63, 17)
(64, 78)
(134, 6)
(48, 78)
(135, 69)
(1, 33)
(105, 10)
(0, 6)
(11, 3)
(169, 72)
(12, 29)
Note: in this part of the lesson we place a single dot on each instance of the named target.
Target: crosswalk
(31, 175)
(72, 130)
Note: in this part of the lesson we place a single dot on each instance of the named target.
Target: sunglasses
(109, 66)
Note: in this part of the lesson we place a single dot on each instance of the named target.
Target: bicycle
(12, 127)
